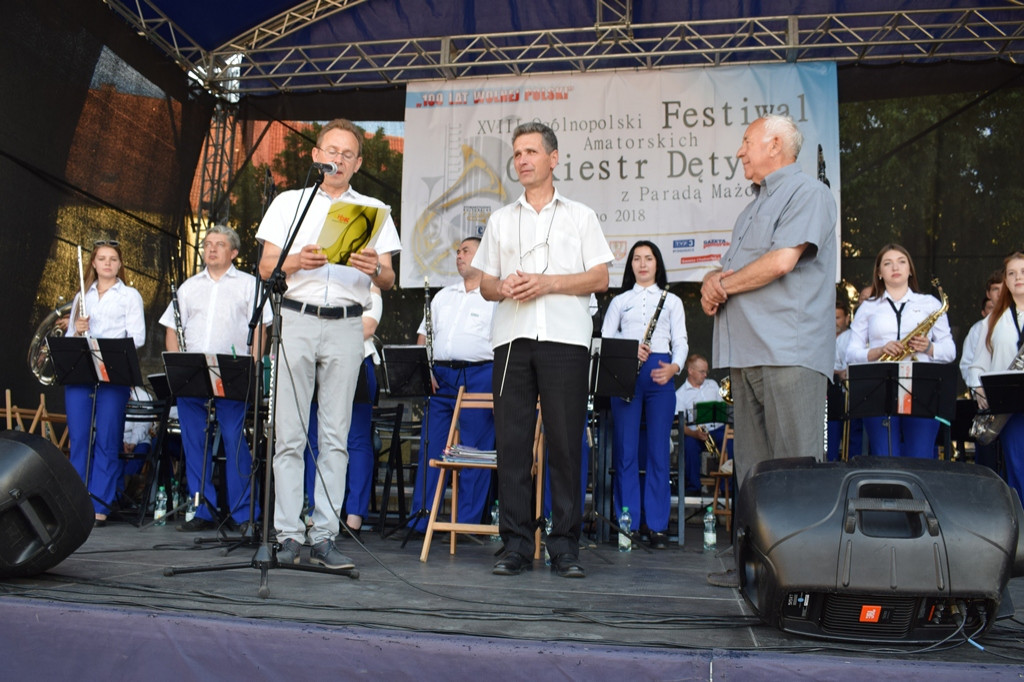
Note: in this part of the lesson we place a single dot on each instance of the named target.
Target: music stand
(88, 361)
(407, 375)
(1004, 391)
(613, 367)
(406, 371)
(712, 412)
(613, 373)
(913, 389)
(72, 360)
(198, 375)
(77, 360)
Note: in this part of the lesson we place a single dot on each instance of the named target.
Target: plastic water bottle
(190, 509)
(625, 524)
(710, 534)
(547, 534)
(160, 510)
(175, 495)
(495, 519)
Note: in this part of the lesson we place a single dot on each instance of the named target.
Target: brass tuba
(921, 329)
(38, 352)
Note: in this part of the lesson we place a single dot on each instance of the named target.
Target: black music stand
(1004, 392)
(613, 372)
(407, 375)
(89, 361)
(78, 359)
(613, 367)
(406, 371)
(197, 375)
(877, 389)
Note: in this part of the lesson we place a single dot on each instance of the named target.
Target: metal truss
(261, 62)
(215, 172)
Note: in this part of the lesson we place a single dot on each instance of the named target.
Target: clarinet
(178, 330)
(649, 334)
(428, 323)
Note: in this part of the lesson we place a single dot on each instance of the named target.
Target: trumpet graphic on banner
(349, 228)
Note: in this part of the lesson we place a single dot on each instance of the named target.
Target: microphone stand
(273, 290)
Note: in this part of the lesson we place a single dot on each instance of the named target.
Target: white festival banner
(653, 153)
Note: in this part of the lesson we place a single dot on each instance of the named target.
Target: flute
(81, 300)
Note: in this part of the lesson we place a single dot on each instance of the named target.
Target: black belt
(461, 364)
(323, 312)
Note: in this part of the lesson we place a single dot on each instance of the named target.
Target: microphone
(326, 168)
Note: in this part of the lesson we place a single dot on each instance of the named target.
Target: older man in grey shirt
(773, 302)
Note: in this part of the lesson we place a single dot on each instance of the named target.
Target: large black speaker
(878, 549)
(45, 509)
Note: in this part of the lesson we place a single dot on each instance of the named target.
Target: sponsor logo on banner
(706, 258)
(619, 248)
(683, 244)
(475, 218)
(715, 242)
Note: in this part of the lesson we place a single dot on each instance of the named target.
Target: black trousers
(557, 372)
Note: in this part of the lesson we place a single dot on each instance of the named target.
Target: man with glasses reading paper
(321, 339)
(541, 257)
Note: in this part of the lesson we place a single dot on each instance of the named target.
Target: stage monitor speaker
(45, 510)
(878, 549)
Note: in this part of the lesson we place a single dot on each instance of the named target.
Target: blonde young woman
(115, 311)
(996, 350)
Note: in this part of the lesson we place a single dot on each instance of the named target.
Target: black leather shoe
(659, 541)
(567, 566)
(513, 563)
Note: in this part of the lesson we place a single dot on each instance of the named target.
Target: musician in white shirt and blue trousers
(214, 307)
(1000, 350)
(661, 357)
(112, 310)
(883, 326)
(460, 339)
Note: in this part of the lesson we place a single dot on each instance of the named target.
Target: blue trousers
(230, 415)
(657, 404)
(361, 460)
(104, 469)
(476, 429)
(911, 436)
(835, 439)
(1012, 439)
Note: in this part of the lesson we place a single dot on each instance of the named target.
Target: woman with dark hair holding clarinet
(647, 312)
(1001, 349)
(111, 310)
(897, 322)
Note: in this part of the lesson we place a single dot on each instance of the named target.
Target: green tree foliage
(251, 194)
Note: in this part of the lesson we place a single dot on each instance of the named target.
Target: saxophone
(986, 427)
(179, 331)
(921, 329)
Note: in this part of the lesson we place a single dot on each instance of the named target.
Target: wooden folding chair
(722, 478)
(477, 401)
(36, 421)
